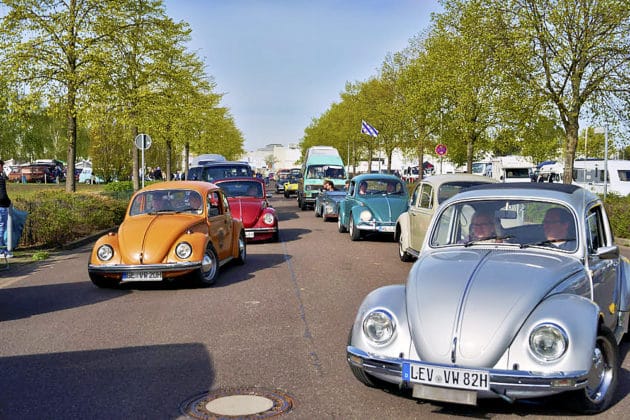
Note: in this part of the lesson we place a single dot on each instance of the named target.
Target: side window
(414, 195)
(426, 196)
(214, 204)
(226, 204)
(596, 234)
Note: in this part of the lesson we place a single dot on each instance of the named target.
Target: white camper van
(589, 174)
(512, 168)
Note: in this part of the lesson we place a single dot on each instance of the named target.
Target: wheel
(355, 234)
(303, 205)
(286, 194)
(242, 250)
(317, 211)
(103, 282)
(602, 377)
(340, 227)
(207, 274)
(404, 255)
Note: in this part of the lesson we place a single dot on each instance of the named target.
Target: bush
(56, 218)
(617, 209)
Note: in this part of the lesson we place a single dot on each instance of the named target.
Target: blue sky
(281, 63)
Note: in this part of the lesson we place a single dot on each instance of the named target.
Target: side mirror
(608, 252)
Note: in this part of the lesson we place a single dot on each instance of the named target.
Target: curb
(86, 240)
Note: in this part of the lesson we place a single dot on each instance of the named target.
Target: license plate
(477, 380)
(388, 228)
(249, 234)
(142, 276)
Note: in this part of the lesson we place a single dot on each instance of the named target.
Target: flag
(368, 129)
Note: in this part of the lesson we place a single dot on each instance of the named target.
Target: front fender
(577, 316)
(391, 299)
(402, 229)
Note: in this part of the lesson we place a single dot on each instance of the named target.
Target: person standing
(5, 203)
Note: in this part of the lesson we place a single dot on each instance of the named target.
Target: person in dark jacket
(5, 203)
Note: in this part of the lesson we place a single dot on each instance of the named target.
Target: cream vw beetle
(535, 306)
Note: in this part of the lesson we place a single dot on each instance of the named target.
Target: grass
(28, 190)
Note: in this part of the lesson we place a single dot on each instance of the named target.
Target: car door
(604, 271)
(220, 224)
(420, 213)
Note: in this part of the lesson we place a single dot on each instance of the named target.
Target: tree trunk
(571, 128)
(169, 150)
(186, 157)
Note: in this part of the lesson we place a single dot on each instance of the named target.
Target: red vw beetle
(248, 202)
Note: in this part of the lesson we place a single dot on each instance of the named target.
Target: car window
(526, 223)
(414, 195)
(164, 201)
(214, 204)
(426, 196)
(596, 234)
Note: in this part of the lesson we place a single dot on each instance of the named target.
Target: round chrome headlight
(379, 326)
(183, 250)
(548, 342)
(268, 218)
(329, 208)
(105, 252)
(365, 216)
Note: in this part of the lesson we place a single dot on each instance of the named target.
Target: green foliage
(618, 214)
(56, 218)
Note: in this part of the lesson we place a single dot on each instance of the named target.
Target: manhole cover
(242, 403)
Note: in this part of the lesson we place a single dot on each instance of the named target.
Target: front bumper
(513, 384)
(125, 268)
(375, 226)
(252, 233)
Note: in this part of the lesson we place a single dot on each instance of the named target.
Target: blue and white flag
(368, 129)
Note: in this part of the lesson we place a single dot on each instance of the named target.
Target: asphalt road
(279, 323)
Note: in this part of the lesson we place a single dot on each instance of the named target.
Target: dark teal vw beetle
(373, 204)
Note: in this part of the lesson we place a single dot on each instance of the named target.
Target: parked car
(327, 204)
(248, 201)
(281, 177)
(373, 204)
(426, 195)
(171, 230)
(535, 309)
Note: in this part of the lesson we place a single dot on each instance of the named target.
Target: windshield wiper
(546, 242)
(488, 238)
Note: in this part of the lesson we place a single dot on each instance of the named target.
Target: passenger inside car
(482, 227)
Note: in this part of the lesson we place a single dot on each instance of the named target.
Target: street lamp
(604, 130)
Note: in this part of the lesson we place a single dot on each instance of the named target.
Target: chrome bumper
(120, 268)
(503, 383)
(262, 230)
(373, 226)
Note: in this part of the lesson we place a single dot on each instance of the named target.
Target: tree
(54, 48)
(575, 54)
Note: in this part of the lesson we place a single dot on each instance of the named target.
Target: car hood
(147, 239)
(386, 208)
(246, 209)
(466, 306)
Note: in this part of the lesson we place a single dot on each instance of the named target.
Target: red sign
(440, 149)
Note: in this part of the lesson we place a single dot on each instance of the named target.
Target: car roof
(199, 186)
(239, 179)
(363, 177)
(573, 195)
(441, 179)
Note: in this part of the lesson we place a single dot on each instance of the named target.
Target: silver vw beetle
(519, 292)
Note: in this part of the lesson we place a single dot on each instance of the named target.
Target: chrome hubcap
(600, 375)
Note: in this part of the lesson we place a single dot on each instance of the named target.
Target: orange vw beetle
(171, 229)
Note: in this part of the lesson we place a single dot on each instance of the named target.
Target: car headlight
(365, 216)
(329, 208)
(268, 218)
(379, 326)
(105, 252)
(548, 342)
(183, 250)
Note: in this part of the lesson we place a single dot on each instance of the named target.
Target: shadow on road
(149, 382)
(24, 302)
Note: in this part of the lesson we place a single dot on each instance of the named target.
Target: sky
(281, 63)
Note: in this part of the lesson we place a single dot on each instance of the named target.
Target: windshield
(380, 187)
(522, 223)
(325, 171)
(167, 201)
(242, 188)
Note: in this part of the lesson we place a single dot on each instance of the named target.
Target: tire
(207, 274)
(602, 379)
(404, 255)
(355, 234)
(242, 250)
(340, 227)
(317, 211)
(303, 205)
(103, 282)
(286, 194)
